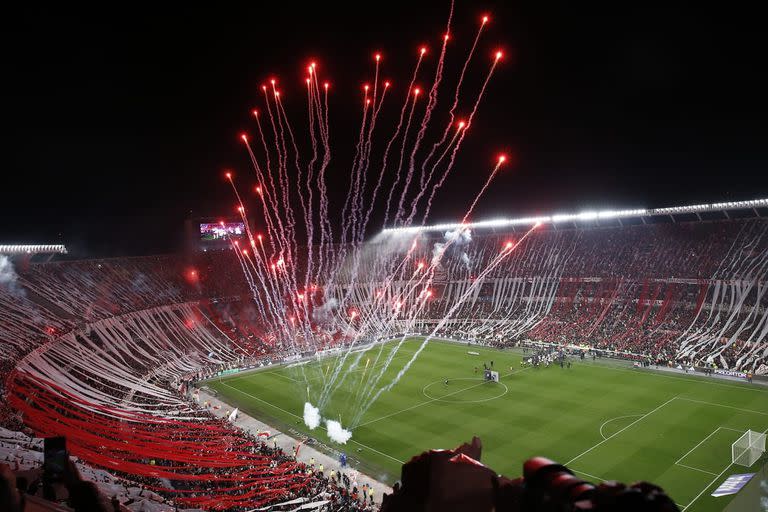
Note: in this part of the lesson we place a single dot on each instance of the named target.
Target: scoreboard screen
(218, 231)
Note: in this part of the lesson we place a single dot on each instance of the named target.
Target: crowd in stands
(96, 289)
(218, 274)
(690, 292)
(690, 250)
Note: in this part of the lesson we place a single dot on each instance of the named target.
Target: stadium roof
(590, 215)
(33, 249)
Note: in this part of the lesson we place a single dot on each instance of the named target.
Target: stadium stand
(690, 292)
(100, 352)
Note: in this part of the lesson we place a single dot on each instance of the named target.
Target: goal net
(748, 448)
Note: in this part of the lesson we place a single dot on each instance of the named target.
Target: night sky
(118, 123)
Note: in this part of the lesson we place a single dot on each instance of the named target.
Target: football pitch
(604, 420)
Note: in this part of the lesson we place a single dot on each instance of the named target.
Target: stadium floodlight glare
(747, 449)
(33, 249)
(584, 216)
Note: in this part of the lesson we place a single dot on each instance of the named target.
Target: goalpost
(748, 448)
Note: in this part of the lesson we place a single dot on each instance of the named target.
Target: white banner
(732, 484)
(730, 373)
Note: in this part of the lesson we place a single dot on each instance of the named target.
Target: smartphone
(55, 459)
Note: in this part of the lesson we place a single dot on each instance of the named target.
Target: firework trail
(499, 163)
(430, 106)
(416, 92)
(455, 151)
(428, 275)
(425, 179)
(508, 249)
(408, 91)
(319, 287)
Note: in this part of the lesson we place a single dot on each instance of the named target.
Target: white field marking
(256, 371)
(676, 462)
(479, 400)
(377, 451)
(278, 374)
(734, 429)
(695, 469)
(724, 405)
(691, 379)
(261, 400)
(707, 487)
(394, 413)
(299, 417)
(614, 419)
(711, 482)
(689, 451)
(598, 478)
(241, 377)
(619, 432)
(433, 399)
(699, 444)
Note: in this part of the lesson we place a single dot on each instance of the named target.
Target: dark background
(118, 121)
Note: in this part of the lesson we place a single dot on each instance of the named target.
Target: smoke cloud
(437, 253)
(324, 312)
(311, 416)
(454, 240)
(459, 236)
(9, 279)
(337, 433)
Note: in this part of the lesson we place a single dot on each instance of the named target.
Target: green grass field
(604, 420)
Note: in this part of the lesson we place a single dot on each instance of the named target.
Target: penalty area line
(598, 478)
(695, 469)
(697, 445)
(620, 431)
(752, 411)
(377, 451)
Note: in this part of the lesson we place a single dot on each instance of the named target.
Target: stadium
(659, 316)
(318, 290)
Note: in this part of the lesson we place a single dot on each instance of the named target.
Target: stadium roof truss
(590, 216)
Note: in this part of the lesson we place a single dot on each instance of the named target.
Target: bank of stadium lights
(585, 216)
(736, 205)
(33, 249)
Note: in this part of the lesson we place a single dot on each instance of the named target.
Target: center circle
(452, 395)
